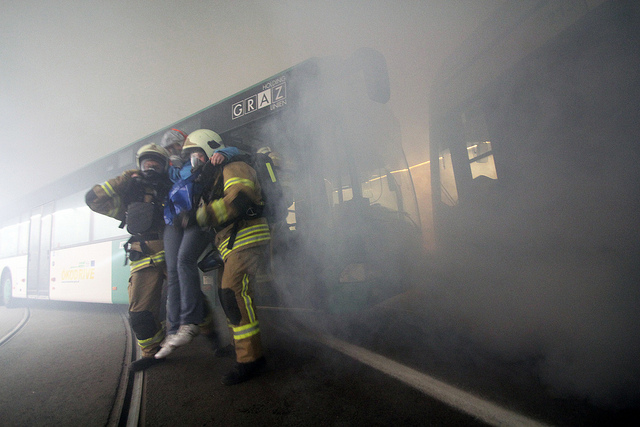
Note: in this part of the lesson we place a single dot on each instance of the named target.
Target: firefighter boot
(226, 351)
(242, 372)
(144, 363)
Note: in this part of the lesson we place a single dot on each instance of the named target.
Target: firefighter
(231, 203)
(136, 198)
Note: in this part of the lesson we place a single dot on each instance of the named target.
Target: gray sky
(80, 79)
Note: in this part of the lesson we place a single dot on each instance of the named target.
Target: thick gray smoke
(547, 256)
(551, 279)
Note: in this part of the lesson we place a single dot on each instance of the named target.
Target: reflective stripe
(219, 210)
(108, 189)
(248, 303)
(144, 262)
(202, 216)
(114, 212)
(246, 331)
(158, 337)
(255, 233)
(242, 181)
(271, 174)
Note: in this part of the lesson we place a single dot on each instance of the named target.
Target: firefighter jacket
(230, 201)
(114, 197)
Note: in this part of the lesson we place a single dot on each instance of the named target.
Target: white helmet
(205, 139)
(153, 151)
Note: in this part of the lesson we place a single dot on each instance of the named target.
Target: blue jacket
(177, 174)
(181, 196)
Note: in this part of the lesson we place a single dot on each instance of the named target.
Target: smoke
(543, 271)
(542, 264)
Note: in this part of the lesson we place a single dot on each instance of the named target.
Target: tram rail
(25, 319)
(127, 410)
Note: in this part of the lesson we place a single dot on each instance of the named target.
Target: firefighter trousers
(237, 298)
(145, 307)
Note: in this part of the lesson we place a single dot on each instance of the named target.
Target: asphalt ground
(308, 383)
(10, 319)
(304, 384)
(63, 367)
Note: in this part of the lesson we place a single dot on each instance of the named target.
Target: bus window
(70, 221)
(23, 235)
(105, 227)
(9, 240)
(481, 159)
(386, 189)
(476, 136)
(449, 190)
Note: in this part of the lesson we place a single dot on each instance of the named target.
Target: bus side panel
(119, 273)
(82, 273)
(17, 267)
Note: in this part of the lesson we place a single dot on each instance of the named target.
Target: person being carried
(136, 198)
(188, 312)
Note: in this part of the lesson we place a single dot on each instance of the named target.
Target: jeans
(185, 300)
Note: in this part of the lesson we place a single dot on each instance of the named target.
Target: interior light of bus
(448, 187)
(419, 164)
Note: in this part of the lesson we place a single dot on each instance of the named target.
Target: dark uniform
(116, 198)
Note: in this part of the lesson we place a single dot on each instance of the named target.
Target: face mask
(195, 160)
(148, 164)
(151, 175)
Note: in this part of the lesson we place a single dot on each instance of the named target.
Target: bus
(353, 204)
(534, 150)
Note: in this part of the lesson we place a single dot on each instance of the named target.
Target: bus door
(39, 251)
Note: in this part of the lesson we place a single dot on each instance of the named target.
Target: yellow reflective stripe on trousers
(248, 303)
(144, 262)
(158, 337)
(246, 331)
(246, 236)
(233, 181)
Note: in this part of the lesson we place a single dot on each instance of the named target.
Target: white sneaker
(165, 347)
(164, 351)
(185, 334)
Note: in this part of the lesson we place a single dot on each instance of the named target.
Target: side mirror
(376, 75)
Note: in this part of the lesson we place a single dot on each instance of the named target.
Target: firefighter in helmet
(136, 198)
(230, 201)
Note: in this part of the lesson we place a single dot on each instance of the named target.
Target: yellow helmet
(155, 151)
(205, 139)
